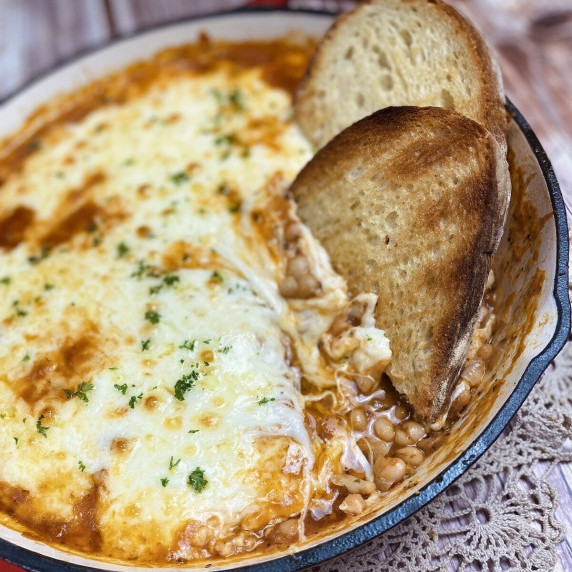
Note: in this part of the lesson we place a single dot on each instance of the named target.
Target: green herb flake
(44, 253)
(21, 313)
(40, 428)
(185, 384)
(80, 392)
(122, 388)
(216, 277)
(81, 466)
(145, 344)
(189, 345)
(228, 139)
(170, 279)
(225, 350)
(155, 289)
(16, 441)
(133, 400)
(142, 267)
(153, 317)
(235, 98)
(197, 480)
(191, 431)
(180, 178)
(173, 463)
(26, 357)
(164, 481)
(48, 286)
(265, 400)
(6, 280)
(122, 249)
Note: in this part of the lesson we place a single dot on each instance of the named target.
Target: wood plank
(37, 34)
(132, 15)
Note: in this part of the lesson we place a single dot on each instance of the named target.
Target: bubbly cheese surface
(150, 405)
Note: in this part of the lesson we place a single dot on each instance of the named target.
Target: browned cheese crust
(405, 202)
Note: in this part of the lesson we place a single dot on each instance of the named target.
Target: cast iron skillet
(329, 549)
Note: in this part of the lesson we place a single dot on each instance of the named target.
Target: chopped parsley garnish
(153, 317)
(80, 392)
(133, 400)
(142, 267)
(185, 384)
(225, 350)
(168, 280)
(228, 139)
(2, 415)
(191, 431)
(45, 252)
(48, 286)
(235, 99)
(21, 313)
(216, 276)
(122, 249)
(266, 400)
(164, 481)
(173, 463)
(6, 280)
(122, 388)
(26, 357)
(81, 466)
(189, 345)
(197, 480)
(16, 441)
(223, 189)
(145, 344)
(40, 428)
(180, 178)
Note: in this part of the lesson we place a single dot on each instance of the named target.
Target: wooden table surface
(532, 38)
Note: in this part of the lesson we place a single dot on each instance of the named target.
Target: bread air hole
(391, 220)
(349, 53)
(387, 82)
(382, 58)
(406, 37)
(447, 100)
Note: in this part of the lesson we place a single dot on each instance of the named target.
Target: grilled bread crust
(399, 52)
(405, 202)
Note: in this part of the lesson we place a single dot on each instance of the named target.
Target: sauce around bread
(184, 378)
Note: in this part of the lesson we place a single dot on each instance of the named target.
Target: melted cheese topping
(150, 409)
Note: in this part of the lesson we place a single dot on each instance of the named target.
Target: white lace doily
(500, 514)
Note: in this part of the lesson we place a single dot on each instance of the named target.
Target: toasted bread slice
(399, 52)
(405, 202)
